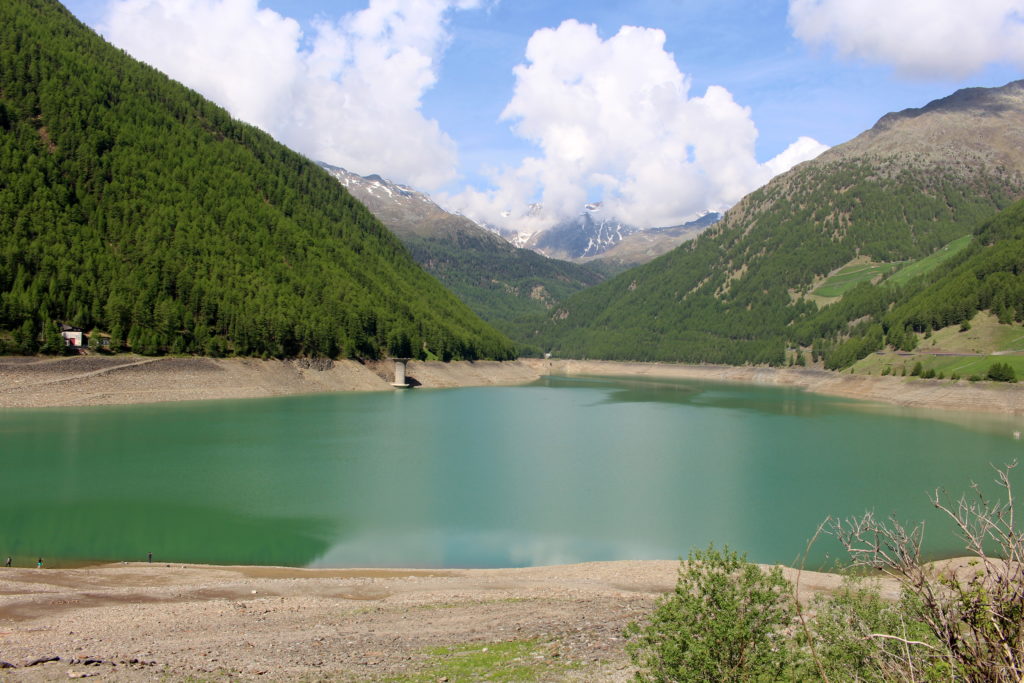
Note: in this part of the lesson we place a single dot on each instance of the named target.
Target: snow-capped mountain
(588, 234)
(501, 283)
(647, 245)
(593, 233)
(407, 211)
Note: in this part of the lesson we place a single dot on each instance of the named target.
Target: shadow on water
(96, 531)
(772, 400)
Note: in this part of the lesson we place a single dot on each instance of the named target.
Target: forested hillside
(988, 275)
(739, 292)
(131, 205)
(507, 286)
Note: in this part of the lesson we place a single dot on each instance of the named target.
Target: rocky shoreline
(126, 379)
(909, 392)
(133, 622)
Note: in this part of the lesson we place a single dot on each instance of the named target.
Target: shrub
(975, 615)
(845, 629)
(918, 368)
(723, 622)
(728, 620)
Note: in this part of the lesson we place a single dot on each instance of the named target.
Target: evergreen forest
(510, 288)
(738, 293)
(986, 276)
(134, 209)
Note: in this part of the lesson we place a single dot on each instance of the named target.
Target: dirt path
(145, 622)
(56, 372)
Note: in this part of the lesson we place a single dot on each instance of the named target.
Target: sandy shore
(175, 622)
(109, 380)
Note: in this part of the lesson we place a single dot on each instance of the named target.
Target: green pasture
(517, 660)
(965, 366)
(847, 277)
(917, 268)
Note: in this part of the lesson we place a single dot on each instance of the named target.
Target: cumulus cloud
(615, 118)
(920, 38)
(803, 149)
(350, 94)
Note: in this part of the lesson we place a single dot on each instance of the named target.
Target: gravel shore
(130, 622)
(126, 379)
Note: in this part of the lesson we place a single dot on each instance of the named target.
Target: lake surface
(566, 470)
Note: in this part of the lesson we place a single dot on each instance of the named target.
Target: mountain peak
(983, 124)
(975, 101)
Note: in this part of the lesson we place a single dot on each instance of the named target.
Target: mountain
(743, 290)
(131, 206)
(588, 234)
(507, 286)
(643, 246)
(405, 211)
(593, 234)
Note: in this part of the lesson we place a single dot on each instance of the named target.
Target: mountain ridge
(733, 294)
(506, 285)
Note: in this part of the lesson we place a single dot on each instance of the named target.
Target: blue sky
(427, 92)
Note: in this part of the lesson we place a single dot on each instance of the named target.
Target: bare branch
(904, 641)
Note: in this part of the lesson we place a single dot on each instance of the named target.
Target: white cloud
(923, 38)
(351, 96)
(615, 117)
(803, 149)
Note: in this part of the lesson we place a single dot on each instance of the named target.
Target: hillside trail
(25, 381)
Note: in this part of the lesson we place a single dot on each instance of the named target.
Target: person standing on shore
(8, 562)
(39, 563)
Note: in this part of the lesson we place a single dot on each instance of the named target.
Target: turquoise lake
(565, 470)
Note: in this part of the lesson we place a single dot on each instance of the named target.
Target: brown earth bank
(126, 379)
(910, 392)
(128, 622)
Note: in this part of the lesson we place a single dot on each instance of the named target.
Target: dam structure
(400, 381)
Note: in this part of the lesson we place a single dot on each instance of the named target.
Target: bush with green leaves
(725, 621)
(851, 632)
(730, 620)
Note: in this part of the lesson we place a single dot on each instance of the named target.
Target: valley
(363, 434)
